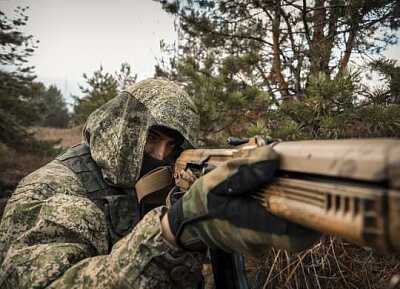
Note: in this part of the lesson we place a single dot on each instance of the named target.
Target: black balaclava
(149, 163)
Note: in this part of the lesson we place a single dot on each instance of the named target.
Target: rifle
(348, 188)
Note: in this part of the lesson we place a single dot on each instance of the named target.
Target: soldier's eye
(172, 144)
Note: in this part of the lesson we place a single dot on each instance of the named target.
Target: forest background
(288, 69)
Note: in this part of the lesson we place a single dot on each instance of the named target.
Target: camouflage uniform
(70, 223)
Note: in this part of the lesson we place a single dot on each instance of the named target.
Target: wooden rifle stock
(348, 188)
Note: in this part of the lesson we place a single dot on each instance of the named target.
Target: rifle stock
(347, 188)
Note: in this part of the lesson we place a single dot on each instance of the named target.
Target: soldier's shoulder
(52, 178)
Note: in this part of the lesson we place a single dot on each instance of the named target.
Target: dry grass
(68, 136)
(14, 166)
(330, 264)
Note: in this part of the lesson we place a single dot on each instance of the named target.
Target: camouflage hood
(117, 131)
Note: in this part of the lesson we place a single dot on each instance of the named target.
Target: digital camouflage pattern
(52, 235)
(117, 131)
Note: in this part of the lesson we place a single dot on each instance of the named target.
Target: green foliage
(18, 93)
(326, 103)
(16, 96)
(24, 102)
(11, 132)
(223, 101)
(285, 42)
(331, 110)
(15, 48)
(390, 73)
(15, 45)
(15, 88)
(100, 88)
(281, 67)
(15, 136)
(50, 106)
(379, 120)
(125, 76)
(174, 6)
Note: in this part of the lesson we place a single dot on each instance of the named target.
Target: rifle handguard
(349, 188)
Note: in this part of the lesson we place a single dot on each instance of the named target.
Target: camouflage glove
(220, 210)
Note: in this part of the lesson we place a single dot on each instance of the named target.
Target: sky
(77, 36)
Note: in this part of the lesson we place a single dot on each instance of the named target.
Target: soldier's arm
(143, 259)
(60, 242)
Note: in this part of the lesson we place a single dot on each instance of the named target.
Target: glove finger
(242, 224)
(246, 212)
(239, 176)
(249, 174)
(247, 178)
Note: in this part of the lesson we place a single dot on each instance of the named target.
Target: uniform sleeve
(61, 242)
(143, 259)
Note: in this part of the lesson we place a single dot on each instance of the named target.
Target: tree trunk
(276, 71)
(318, 39)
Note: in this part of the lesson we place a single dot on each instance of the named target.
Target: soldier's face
(159, 145)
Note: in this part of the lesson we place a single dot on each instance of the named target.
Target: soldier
(75, 222)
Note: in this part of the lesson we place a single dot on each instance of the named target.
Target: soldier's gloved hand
(219, 210)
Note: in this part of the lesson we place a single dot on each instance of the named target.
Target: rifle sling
(154, 181)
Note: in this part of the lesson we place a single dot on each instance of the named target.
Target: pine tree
(296, 55)
(282, 51)
(50, 106)
(100, 88)
(16, 81)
